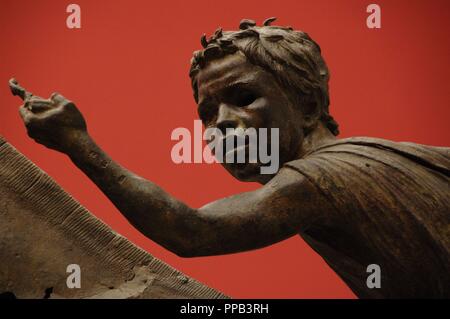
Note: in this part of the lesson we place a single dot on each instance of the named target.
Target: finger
(18, 90)
(39, 106)
(58, 98)
(25, 114)
(36, 104)
(38, 99)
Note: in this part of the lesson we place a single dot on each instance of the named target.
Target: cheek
(257, 114)
(279, 115)
(290, 132)
(267, 113)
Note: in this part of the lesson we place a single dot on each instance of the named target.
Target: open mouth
(237, 149)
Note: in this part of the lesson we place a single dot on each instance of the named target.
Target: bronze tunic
(385, 203)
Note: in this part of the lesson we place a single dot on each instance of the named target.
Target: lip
(237, 149)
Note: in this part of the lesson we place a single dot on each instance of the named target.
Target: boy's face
(233, 93)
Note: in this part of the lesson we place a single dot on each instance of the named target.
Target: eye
(244, 98)
(206, 112)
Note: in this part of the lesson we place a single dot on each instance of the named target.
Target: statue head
(262, 76)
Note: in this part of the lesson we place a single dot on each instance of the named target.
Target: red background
(127, 70)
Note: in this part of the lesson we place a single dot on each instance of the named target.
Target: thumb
(57, 98)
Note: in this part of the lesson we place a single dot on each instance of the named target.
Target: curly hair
(291, 56)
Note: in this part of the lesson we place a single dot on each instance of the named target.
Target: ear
(311, 111)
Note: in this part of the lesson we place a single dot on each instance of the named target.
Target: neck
(319, 136)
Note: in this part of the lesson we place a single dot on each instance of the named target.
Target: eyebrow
(237, 83)
(245, 82)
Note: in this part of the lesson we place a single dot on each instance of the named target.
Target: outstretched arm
(245, 221)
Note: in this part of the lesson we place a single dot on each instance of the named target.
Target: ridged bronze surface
(43, 229)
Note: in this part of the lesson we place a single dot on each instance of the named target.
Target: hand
(55, 122)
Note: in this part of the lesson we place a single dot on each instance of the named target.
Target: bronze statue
(356, 201)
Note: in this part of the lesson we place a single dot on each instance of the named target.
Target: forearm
(150, 209)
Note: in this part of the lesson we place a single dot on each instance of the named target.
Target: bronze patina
(356, 201)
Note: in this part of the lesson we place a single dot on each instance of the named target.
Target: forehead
(223, 72)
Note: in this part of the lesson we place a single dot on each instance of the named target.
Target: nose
(227, 118)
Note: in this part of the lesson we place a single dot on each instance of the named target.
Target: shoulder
(350, 153)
